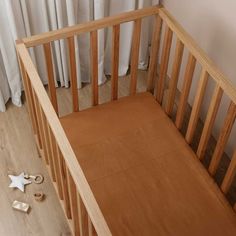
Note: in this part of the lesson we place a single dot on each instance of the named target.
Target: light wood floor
(18, 153)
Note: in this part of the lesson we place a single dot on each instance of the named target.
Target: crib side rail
(167, 27)
(89, 26)
(72, 186)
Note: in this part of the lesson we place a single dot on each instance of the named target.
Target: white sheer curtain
(21, 18)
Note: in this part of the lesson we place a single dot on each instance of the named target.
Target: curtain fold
(22, 18)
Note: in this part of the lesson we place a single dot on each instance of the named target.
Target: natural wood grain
(65, 187)
(209, 122)
(230, 174)
(90, 26)
(188, 76)
(73, 77)
(197, 105)
(135, 56)
(45, 145)
(74, 204)
(94, 66)
(164, 64)
(40, 125)
(83, 217)
(174, 76)
(56, 164)
(34, 111)
(223, 138)
(50, 151)
(51, 82)
(154, 52)
(91, 230)
(115, 61)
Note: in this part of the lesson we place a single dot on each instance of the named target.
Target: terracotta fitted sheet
(145, 178)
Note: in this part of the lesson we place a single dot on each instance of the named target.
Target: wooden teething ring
(39, 196)
(38, 179)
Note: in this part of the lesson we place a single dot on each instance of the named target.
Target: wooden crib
(123, 167)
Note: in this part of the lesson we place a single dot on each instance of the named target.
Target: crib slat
(209, 122)
(65, 186)
(90, 227)
(185, 90)
(45, 147)
(28, 98)
(155, 46)
(74, 204)
(91, 230)
(115, 61)
(223, 138)
(51, 82)
(56, 164)
(39, 135)
(230, 174)
(50, 152)
(197, 105)
(164, 64)
(39, 122)
(73, 77)
(94, 65)
(32, 95)
(45, 130)
(135, 56)
(174, 76)
(83, 217)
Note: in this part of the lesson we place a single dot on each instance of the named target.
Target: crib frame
(81, 208)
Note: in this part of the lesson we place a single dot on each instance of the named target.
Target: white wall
(212, 23)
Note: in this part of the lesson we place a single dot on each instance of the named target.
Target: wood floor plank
(18, 153)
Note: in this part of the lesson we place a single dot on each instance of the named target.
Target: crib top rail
(89, 26)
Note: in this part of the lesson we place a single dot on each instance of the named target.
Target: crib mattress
(144, 176)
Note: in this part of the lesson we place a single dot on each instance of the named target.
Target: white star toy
(19, 181)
